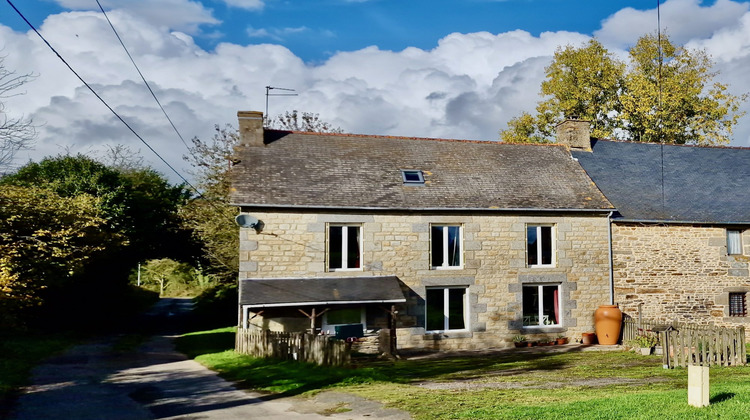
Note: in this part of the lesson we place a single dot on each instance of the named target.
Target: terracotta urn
(607, 323)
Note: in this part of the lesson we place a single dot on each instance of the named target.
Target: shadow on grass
(721, 397)
(206, 342)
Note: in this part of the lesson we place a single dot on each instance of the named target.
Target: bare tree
(302, 121)
(15, 133)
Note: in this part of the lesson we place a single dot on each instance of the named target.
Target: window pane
(546, 244)
(412, 176)
(334, 247)
(550, 309)
(734, 242)
(456, 300)
(344, 316)
(436, 235)
(454, 246)
(435, 310)
(737, 304)
(531, 305)
(352, 248)
(531, 245)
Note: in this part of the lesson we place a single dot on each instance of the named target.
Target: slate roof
(295, 169)
(322, 290)
(701, 184)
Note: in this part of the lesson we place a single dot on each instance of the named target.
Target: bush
(216, 307)
(644, 340)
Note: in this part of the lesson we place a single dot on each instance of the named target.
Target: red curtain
(557, 307)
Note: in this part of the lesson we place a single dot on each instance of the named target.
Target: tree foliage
(138, 203)
(302, 121)
(15, 133)
(666, 97)
(46, 241)
(74, 227)
(209, 215)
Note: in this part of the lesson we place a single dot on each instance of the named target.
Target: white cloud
(683, 20)
(468, 86)
(246, 4)
(180, 15)
(276, 34)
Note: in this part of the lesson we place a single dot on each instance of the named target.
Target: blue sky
(315, 30)
(455, 69)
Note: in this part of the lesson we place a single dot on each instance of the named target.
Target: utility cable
(141, 74)
(102, 99)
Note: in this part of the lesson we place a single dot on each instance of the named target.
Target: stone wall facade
(494, 269)
(678, 273)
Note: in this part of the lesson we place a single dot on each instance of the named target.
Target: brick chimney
(576, 134)
(251, 128)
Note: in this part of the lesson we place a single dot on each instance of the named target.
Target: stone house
(680, 236)
(472, 242)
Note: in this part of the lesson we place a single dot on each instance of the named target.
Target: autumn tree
(46, 242)
(209, 214)
(138, 207)
(663, 95)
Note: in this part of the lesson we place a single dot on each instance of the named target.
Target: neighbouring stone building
(680, 235)
(472, 242)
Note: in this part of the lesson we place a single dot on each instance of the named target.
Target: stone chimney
(251, 128)
(576, 134)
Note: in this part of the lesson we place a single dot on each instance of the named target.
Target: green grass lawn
(512, 385)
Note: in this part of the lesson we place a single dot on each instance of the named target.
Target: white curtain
(734, 242)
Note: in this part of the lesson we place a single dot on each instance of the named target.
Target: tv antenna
(268, 93)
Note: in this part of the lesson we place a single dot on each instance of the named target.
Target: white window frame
(444, 265)
(553, 245)
(344, 241)
(734, 242)
(330, 329)
(446, 311)
(405, 174)
(540, 308)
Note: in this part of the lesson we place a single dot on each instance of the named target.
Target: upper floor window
(446, 246)
(737, 304)
(539, 245)
(734, 242)
(344, 247)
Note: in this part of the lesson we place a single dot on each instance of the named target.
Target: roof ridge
(708, 146)
(380, 136)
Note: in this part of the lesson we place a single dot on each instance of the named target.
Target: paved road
(92, 381)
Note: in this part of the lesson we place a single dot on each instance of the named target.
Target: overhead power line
(141, 74)
(102, 99)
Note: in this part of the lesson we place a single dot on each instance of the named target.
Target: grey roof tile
(700, 184)
(356, 171)
(329, 290)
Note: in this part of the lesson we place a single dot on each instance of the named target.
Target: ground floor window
(737, 304)
(446, 308)
(541, 305)
(342, 316)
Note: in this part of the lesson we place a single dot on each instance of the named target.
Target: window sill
(447, 268)
(531, 329)
(333, 270)
(542, 266)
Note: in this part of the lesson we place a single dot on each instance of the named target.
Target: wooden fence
(684, 345)
(303, 347)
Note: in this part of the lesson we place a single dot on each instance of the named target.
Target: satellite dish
(247, 221)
